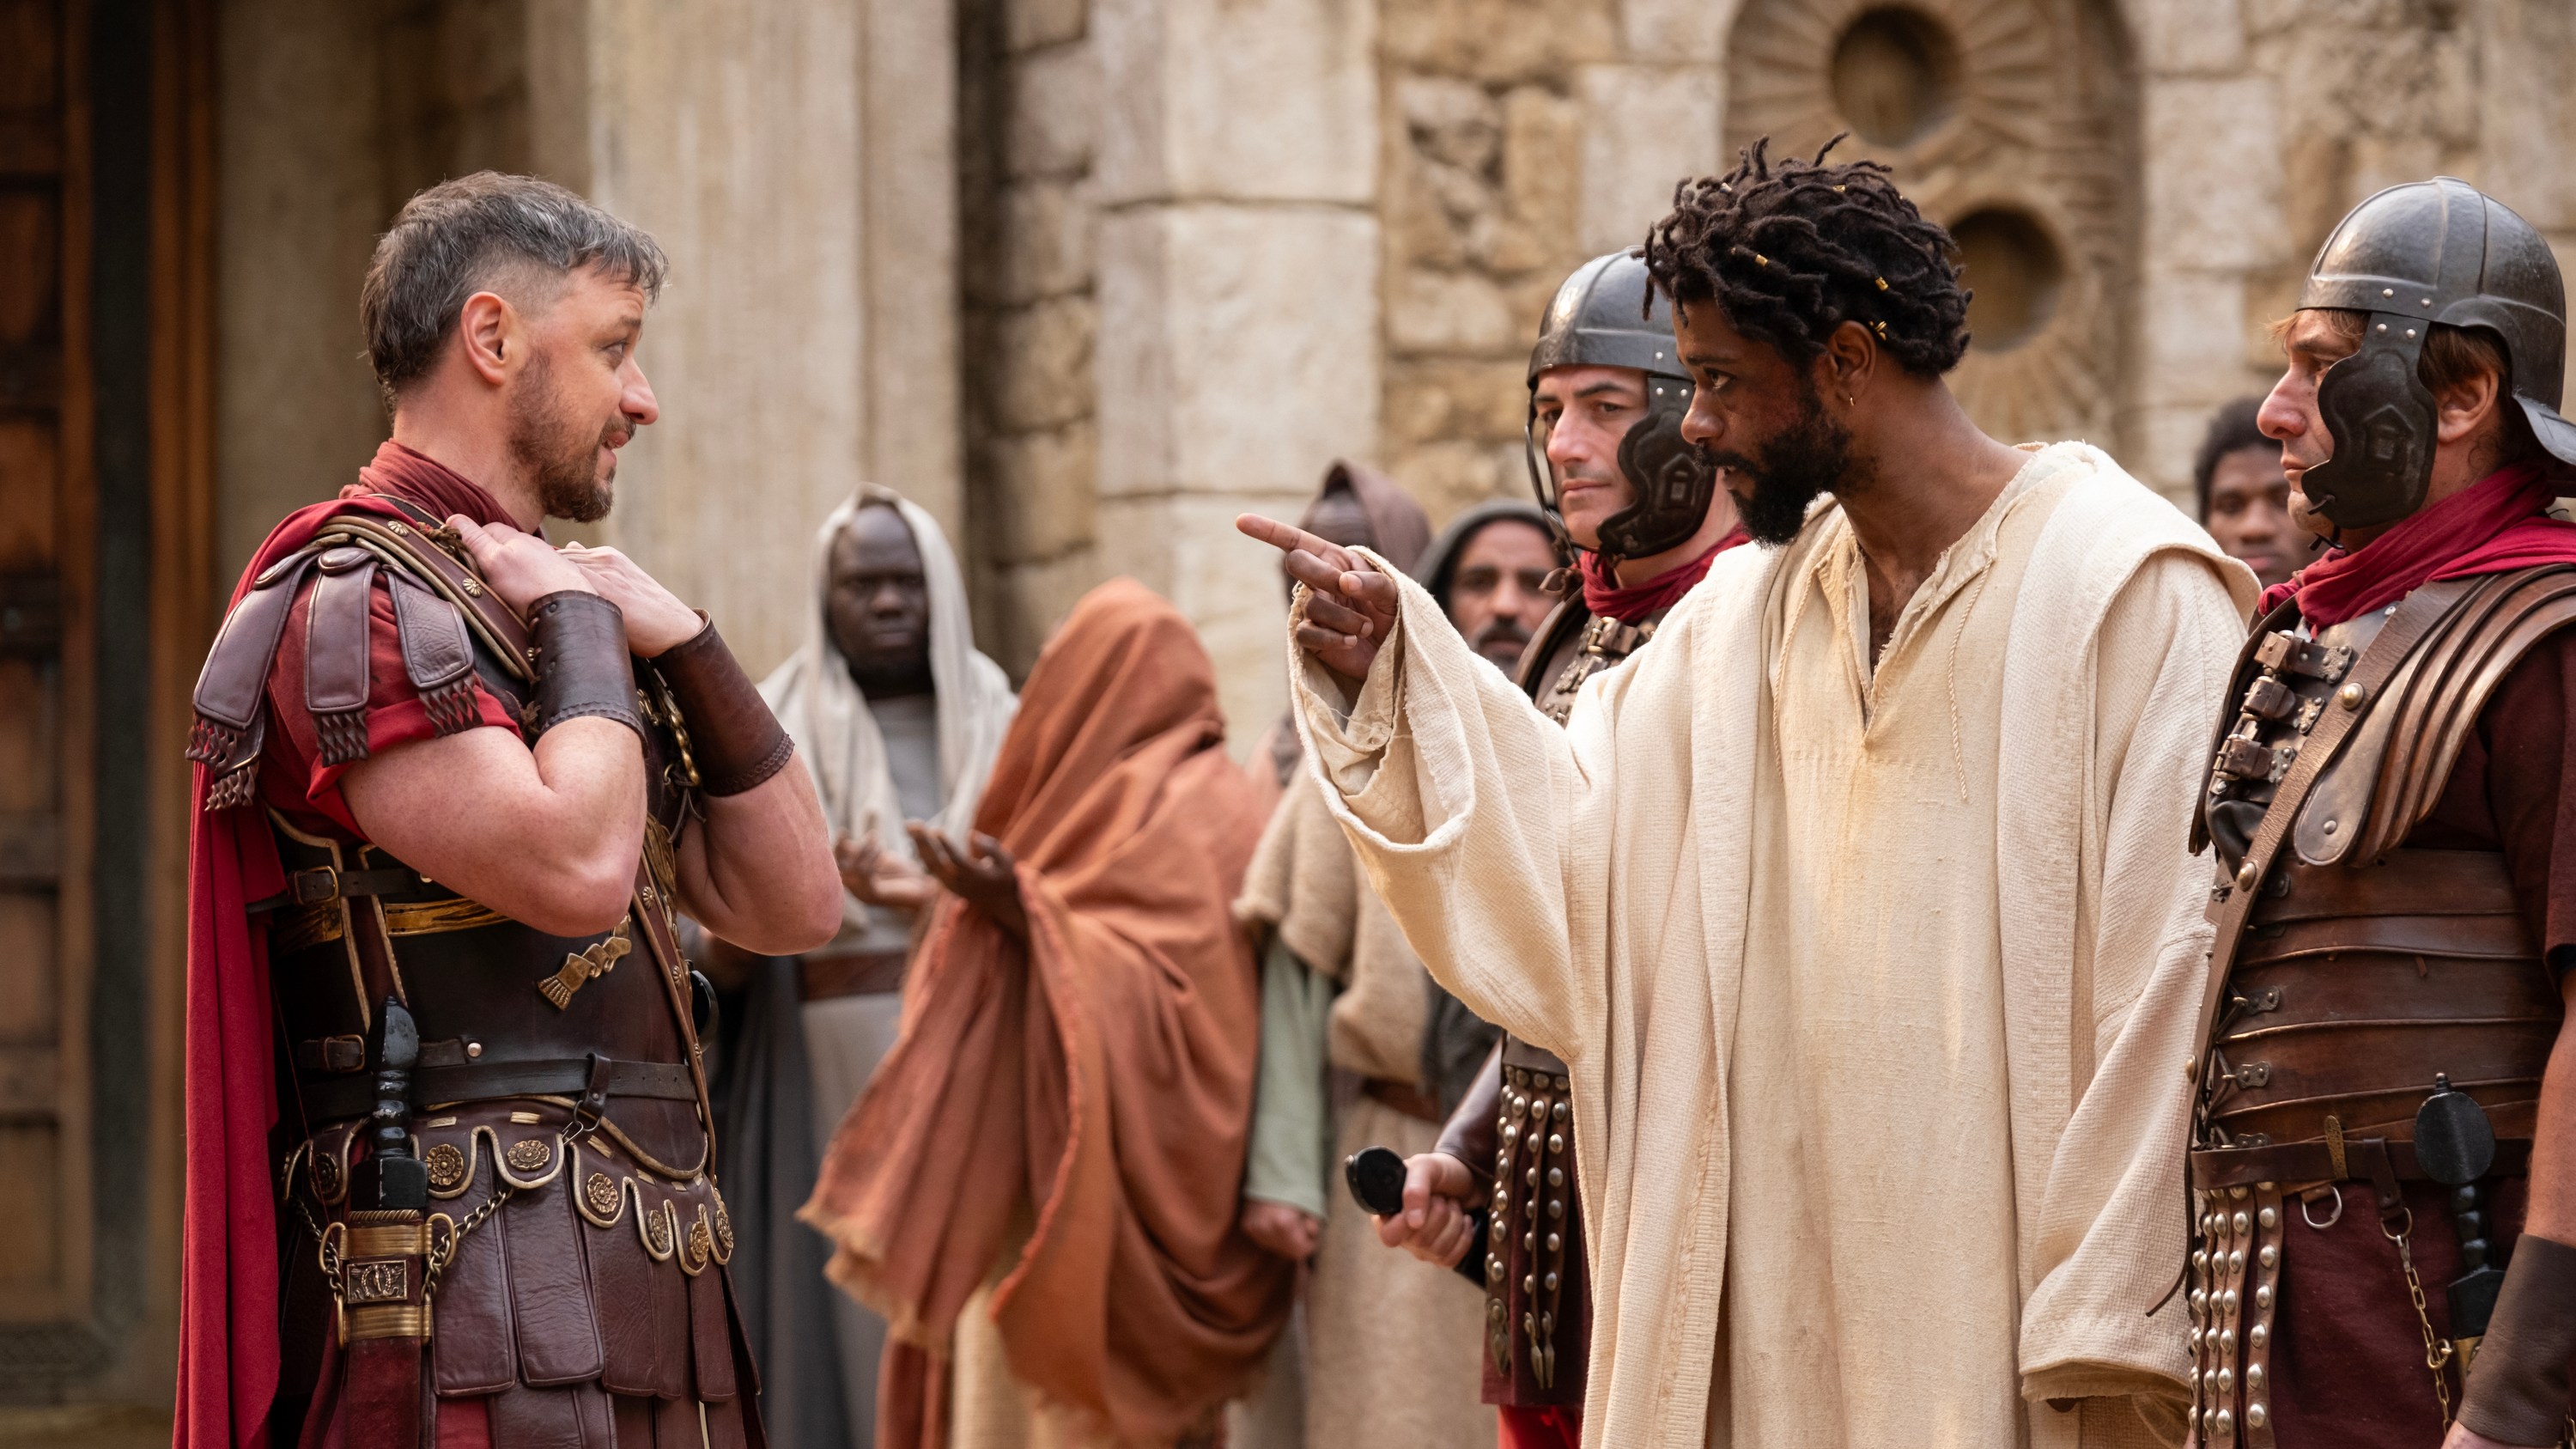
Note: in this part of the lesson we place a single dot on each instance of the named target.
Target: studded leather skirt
(585, 1301)
(1538, 1301)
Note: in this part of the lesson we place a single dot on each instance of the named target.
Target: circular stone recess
(2015, 269)
(1895, 74)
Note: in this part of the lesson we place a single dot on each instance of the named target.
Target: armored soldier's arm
(759, 871)
(2517, 1391)
(472, 810)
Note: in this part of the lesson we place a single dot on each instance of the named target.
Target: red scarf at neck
(2490, 527)
(1629, 603)
(419, 478)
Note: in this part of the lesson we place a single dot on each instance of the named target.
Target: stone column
(1237, 283)
(796, 160)
(2213, 234)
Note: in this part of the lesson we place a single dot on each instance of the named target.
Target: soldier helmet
(1610, 314)
(2427, 252)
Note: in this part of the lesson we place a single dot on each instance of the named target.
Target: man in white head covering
(899, 718)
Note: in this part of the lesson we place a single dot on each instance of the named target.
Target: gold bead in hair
(1882, 329)
(1838, 190)
(1760, 260)
(1882, 283)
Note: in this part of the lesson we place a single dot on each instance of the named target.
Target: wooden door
(47, 679)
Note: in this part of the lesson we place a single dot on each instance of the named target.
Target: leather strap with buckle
(335, 1098)
(324, 883)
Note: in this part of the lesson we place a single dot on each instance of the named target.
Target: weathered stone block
(1029, 24)
(1499, 41)
(1238, 99)
(1451, 476)
(2189, 37)
(2192, 337)
(1044, 248)
(1645, 129)
(2213, 174)
(1043, 375)
(1055, 111)
(1431, 399)
(1432, 311)
(1045, 487)
(1670, 32)
(1238, 347)
(1542, 179)
(1450, 120)
(1432, 219)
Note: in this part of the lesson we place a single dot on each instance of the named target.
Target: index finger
(1288, 537)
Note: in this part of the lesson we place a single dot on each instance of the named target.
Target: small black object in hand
(1376, 1176)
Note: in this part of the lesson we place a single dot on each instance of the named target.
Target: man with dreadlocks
(1850, 904)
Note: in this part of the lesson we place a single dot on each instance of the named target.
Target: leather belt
(2314, 1162)
(851, 973)
(329, 883)
(1405, 1097)
(354, 1096)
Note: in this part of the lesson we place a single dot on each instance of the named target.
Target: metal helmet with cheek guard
(2427, 252)
(1610, 314)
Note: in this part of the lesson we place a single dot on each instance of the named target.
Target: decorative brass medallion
(531, 1154)
(657, 1231)
(602, 1194)
(446, 1165)
(724, 1230)
(326, 1176)
(382, 1280)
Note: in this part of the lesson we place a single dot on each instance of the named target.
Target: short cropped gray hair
(456, 238)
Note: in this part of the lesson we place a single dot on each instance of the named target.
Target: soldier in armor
(450, 1173)
(2382, 1184)
(1644, 514)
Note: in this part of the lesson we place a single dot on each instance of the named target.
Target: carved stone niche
(2011, 122)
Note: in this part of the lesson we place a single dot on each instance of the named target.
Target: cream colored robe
(1915, 1171)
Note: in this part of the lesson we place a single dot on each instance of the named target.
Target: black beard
(541, 438)
(1792, 469)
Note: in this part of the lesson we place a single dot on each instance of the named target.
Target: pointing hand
(1350, 606)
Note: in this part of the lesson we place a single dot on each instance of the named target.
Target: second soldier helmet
(1610, 314)
(2427, 252)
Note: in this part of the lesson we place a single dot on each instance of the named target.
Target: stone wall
(2266, 120)
(797, 161)
(1172, 291)
(1519, 139)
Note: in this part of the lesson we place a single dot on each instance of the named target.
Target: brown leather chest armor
(2351, 970)
(559, 1104)
(1572, 645)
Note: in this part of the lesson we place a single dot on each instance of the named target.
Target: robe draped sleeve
(2106, 1239)
(1471, 812)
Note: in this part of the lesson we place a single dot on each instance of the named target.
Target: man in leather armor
(450, 1173)
(2383, 1187)
(1646, 518)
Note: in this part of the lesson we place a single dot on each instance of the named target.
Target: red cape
(228, 1279)
(2490, 527)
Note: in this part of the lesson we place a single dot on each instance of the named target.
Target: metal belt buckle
(314, 886)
